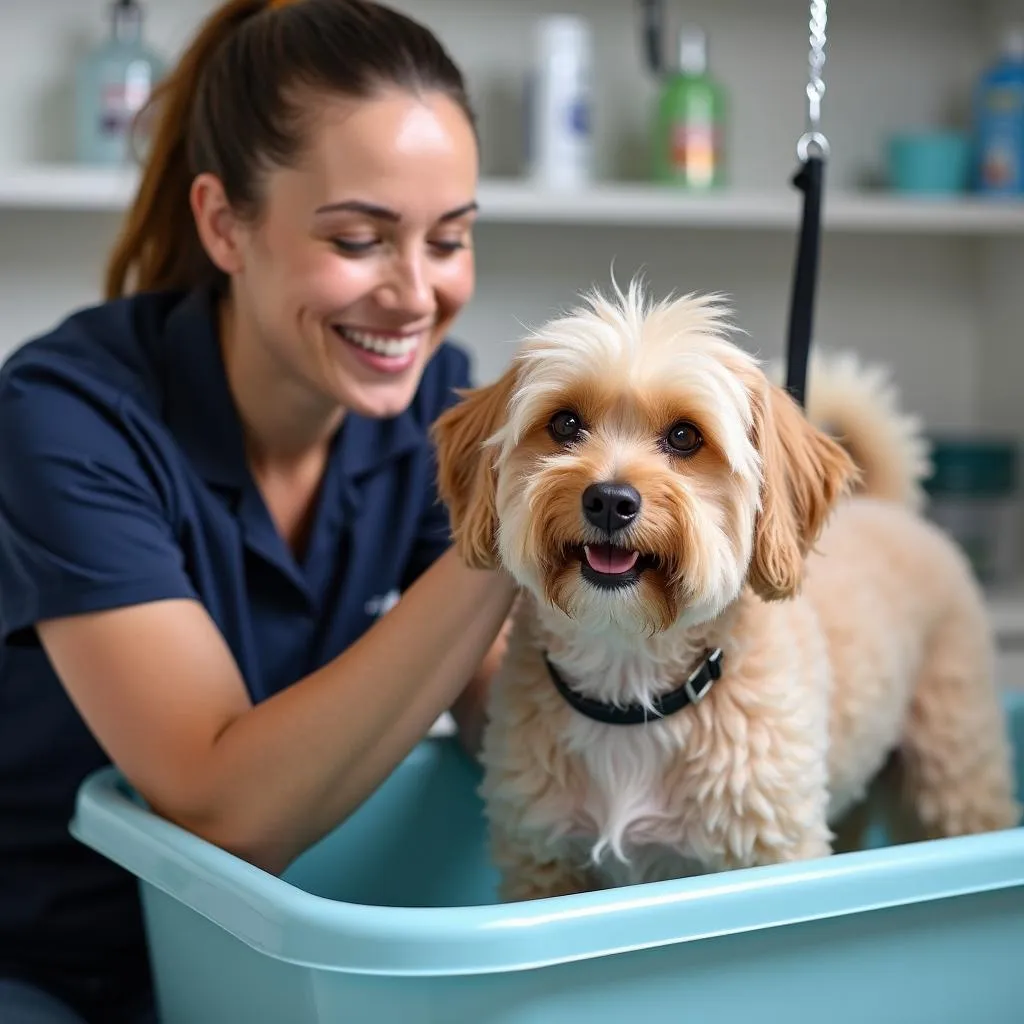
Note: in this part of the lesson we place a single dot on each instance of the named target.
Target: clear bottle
(690, 119)
(113, 84)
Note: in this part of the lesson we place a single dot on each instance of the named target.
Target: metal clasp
(713, 664)
(807, 140)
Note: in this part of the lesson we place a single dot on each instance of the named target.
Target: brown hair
(233, 107)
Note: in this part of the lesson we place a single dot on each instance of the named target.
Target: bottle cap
(563, 30)
(127, 19)
(693, 51)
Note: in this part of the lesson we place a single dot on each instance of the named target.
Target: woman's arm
(159, 688)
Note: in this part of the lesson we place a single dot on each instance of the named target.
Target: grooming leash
(812, 150)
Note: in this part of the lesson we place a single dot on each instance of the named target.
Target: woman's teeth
(381, 344)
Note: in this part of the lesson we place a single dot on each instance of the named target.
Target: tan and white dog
(726, 626)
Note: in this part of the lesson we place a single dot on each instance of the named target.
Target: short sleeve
(434, 533)
(82, 524)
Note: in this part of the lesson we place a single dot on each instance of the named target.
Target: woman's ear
(804, 473)
(219, 229)
(467, 476)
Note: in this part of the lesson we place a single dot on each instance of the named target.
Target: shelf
(626, 205)
(65, 187)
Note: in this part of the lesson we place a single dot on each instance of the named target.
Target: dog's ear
(466, 474)
(804, 473)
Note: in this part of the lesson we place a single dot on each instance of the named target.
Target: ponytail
(158, 245)
(238, 103)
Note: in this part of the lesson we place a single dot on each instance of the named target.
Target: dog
(729, 616)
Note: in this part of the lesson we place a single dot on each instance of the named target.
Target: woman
(214, 486)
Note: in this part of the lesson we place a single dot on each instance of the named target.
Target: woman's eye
(684, 438)
(565, 426)
(448, 246)
(351, 247)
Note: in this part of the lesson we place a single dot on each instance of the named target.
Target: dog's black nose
(611, 506)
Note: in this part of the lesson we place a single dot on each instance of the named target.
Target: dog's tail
(860, 407)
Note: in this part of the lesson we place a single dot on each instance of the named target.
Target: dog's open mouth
(609, 566)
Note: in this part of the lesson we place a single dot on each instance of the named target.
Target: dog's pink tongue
(609, 559)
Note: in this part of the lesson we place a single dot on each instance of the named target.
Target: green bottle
(690, 120)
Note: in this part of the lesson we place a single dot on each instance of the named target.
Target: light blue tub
(391, 920)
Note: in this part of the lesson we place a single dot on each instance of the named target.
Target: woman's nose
(407, 288)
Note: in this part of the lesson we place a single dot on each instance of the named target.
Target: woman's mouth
(385, 353)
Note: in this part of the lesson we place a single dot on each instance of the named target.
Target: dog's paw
(978, 818)
(762, 854)
(809, 848)
(536, 881)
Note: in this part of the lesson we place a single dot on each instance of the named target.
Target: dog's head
(634, 468)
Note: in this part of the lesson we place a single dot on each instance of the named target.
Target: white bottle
(560, 146)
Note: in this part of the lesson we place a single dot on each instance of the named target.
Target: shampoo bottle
(113, 84)
(690, 119)
(999, 122)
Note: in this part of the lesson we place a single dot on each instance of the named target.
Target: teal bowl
(932, 163)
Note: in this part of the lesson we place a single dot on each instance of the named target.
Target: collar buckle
(706, 675)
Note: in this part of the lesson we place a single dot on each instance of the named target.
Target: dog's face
(634, 469)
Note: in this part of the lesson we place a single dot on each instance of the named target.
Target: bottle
(558, 105)
(999, 121)
(690, 119)
(113, 83)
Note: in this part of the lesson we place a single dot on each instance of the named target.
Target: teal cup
(934, 163)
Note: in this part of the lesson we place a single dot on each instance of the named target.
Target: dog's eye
(684, 438)
(565, 426)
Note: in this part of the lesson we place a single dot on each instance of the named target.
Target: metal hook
(809, 140)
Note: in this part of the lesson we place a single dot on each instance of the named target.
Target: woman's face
(362, 255)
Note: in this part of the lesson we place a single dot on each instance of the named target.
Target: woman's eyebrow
(384, 213)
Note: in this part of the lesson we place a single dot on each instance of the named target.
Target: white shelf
(640, 205)
(65, 187)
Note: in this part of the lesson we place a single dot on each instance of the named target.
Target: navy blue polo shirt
(122, 480)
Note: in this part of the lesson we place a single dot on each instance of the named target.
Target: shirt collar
(201, 412)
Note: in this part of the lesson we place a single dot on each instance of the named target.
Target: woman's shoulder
(100, 353)
(90, 384)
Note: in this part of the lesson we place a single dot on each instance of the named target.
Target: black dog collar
(692, 691)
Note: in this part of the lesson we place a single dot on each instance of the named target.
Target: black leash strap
(809, 180)
(812, 151)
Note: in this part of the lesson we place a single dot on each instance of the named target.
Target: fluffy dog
(728, 620)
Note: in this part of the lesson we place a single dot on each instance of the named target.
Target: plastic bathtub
(392, 919)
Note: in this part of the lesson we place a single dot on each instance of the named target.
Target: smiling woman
(369, 227)
(214, 486)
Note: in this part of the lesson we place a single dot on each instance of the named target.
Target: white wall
(916, 301)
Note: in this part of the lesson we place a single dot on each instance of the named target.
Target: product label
(121, 101)
(693, 152)
(1004, 140)
(579, 117)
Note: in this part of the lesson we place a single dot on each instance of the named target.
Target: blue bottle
(113, 84)
(999, 122)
